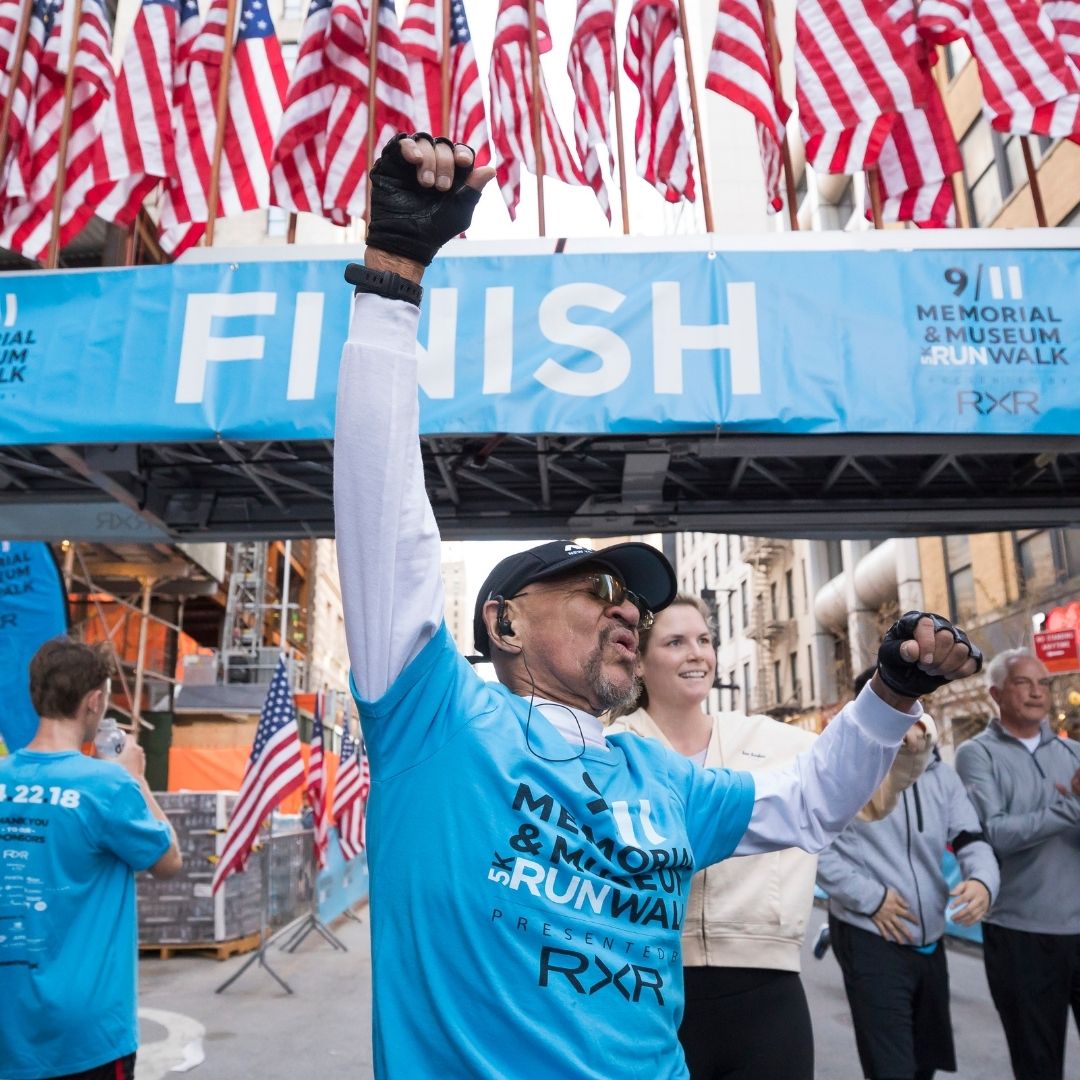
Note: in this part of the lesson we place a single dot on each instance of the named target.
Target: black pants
(899, 1002)
(746, 1024)
(120, 1069)
(1034, 978)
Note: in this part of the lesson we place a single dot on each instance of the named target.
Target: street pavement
(323, 1030)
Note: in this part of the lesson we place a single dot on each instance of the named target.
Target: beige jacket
(752, 911)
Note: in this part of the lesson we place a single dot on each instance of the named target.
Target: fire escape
(764, 555)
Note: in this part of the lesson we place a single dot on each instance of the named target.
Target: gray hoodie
(903, 852)
(1034, 829)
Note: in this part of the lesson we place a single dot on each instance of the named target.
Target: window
(793, 661)
(774, 600)
(789, 585)
(276, 221)
(778, 686)
(746, 687)
(727, 549)
(834, 557)
(744, 604)
(980, 172)
(805, 589)
(1035, 551)
(810, 671)
(290, 50)
(732, 691)
(1071, 543)
(731, 616)
(957, 54)
(994, 167)
(961, 579)
(715, 562)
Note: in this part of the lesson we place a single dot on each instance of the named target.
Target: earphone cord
(528, 721)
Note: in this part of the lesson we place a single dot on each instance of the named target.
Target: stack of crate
(183, 910)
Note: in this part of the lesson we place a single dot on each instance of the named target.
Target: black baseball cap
(640, 567)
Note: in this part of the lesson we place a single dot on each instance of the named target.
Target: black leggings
(746, 1024)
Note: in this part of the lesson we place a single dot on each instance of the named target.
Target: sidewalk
(255, 1029)
(323, 1030)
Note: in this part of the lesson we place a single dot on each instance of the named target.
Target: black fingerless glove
(908, 678)
(410, 220)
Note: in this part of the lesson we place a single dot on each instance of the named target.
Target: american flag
(27, 218)
(1065, 17)
(1030, 85)
(663, 153)
(256, 95)
(854, 76)
(591, 67)
(510, 79)
(347, 54)
(316, 781)
(740, 70)
(920, 153)
(298, 173)
(135, 151)
(351, 796)
(42, 13)
(421, 41)
(274, 770)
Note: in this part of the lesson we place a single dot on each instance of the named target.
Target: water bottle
(109, 740)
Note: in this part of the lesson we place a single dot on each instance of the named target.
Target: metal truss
(505, 486)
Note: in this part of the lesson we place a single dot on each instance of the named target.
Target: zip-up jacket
(1033, 828)
(903, 852)
(752, 911)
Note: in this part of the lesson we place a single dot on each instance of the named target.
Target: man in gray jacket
(1025, 783)
(887, 900)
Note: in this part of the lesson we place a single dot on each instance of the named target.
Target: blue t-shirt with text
(72, 832)
(526, 902)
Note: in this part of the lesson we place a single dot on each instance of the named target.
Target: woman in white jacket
(746, 1013)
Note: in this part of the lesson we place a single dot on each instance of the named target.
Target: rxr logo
(1012, 402)
(629, 980)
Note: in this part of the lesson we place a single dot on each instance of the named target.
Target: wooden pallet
(221, 949)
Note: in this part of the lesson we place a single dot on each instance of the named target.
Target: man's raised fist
(423, 193)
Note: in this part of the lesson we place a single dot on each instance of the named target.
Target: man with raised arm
(529, 877)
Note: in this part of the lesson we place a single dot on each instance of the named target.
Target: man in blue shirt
(73, 832)
(529, 876)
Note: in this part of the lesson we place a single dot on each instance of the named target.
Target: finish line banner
(862, 337)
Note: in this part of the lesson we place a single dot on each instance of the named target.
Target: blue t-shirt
(526, 908)
(72, 832)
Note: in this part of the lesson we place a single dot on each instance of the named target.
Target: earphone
(503, 626)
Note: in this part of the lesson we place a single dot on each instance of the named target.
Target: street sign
(1059, 650)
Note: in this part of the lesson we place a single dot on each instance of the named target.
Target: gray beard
(606, 693)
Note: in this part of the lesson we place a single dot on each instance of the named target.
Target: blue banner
(32, 610)
(798, 340)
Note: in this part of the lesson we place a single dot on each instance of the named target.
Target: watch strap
(386, 283)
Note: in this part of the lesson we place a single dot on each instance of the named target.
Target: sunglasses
(609, 589)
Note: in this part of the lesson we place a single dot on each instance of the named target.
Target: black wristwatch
(383, 283)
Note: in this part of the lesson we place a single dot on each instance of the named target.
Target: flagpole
(706, 201)
(13, 79)
(219, 134)
(373, 74)
(534, 111)
(290, 236)
(873, 186)
(52, 260)
(1033, 182)
(620, 147)
(773, 47)
(444, 72)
